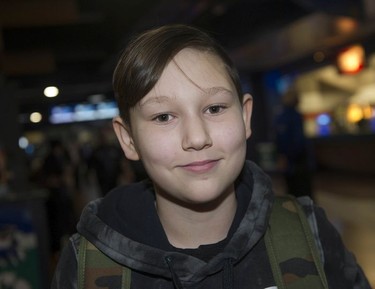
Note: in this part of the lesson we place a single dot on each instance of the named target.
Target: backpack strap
(96, 270)
(291, 247)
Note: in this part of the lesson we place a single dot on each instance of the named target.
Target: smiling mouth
(201, 166)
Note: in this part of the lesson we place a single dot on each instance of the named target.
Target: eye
(165, 117)
(215, 109)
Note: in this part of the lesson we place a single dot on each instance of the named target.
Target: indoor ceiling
(74, 44)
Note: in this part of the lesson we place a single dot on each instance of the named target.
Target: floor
(355, 219)
(350, 206)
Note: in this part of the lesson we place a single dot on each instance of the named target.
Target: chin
(210, 198)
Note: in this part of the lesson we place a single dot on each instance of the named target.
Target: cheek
(156, 148)
(232, 136)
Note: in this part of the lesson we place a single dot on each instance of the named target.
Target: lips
(201, 166)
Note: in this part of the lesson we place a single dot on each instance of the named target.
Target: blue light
(323, 119)
(83, 112)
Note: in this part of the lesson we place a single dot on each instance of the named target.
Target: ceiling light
(23, 142)
(351, 59)
(51, 91)
(36, 117)
(346, 24)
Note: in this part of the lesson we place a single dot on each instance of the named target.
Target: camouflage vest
(290, 244)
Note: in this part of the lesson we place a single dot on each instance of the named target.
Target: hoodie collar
(125, 226)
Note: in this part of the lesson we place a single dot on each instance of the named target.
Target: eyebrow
(211, 91)
(154, 99)
(216, 89)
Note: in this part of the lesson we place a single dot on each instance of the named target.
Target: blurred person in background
(107, 164)
(57, 178)
(5, 174)
(292, 146)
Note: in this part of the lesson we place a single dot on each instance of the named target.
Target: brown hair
(144, 59)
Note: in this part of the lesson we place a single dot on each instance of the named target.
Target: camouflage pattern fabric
(97, 271)
(291, 248)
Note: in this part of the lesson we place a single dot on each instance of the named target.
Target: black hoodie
(125, 226)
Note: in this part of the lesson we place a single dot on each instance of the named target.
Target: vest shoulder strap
(291, 247)
(96, 270)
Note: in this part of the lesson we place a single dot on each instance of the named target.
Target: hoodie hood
(125, 226)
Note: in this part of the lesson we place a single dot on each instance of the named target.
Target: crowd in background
(70, 173)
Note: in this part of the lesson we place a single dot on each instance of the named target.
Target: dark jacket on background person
(125, 226)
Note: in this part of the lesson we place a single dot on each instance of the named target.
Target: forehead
(204, 68)
(193, 69)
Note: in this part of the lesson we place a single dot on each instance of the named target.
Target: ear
(247, 109)
(125, 139)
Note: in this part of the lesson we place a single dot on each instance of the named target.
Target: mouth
(201, 166)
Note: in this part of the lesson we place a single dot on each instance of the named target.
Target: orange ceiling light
(351, 59)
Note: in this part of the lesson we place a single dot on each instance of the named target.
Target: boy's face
(190, 130)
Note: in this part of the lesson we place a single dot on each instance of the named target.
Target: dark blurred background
(318, 140)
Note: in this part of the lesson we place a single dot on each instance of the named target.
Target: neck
(191, 225)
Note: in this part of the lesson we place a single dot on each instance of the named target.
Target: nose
(196, 134)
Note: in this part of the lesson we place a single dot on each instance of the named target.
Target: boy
(200, 221)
